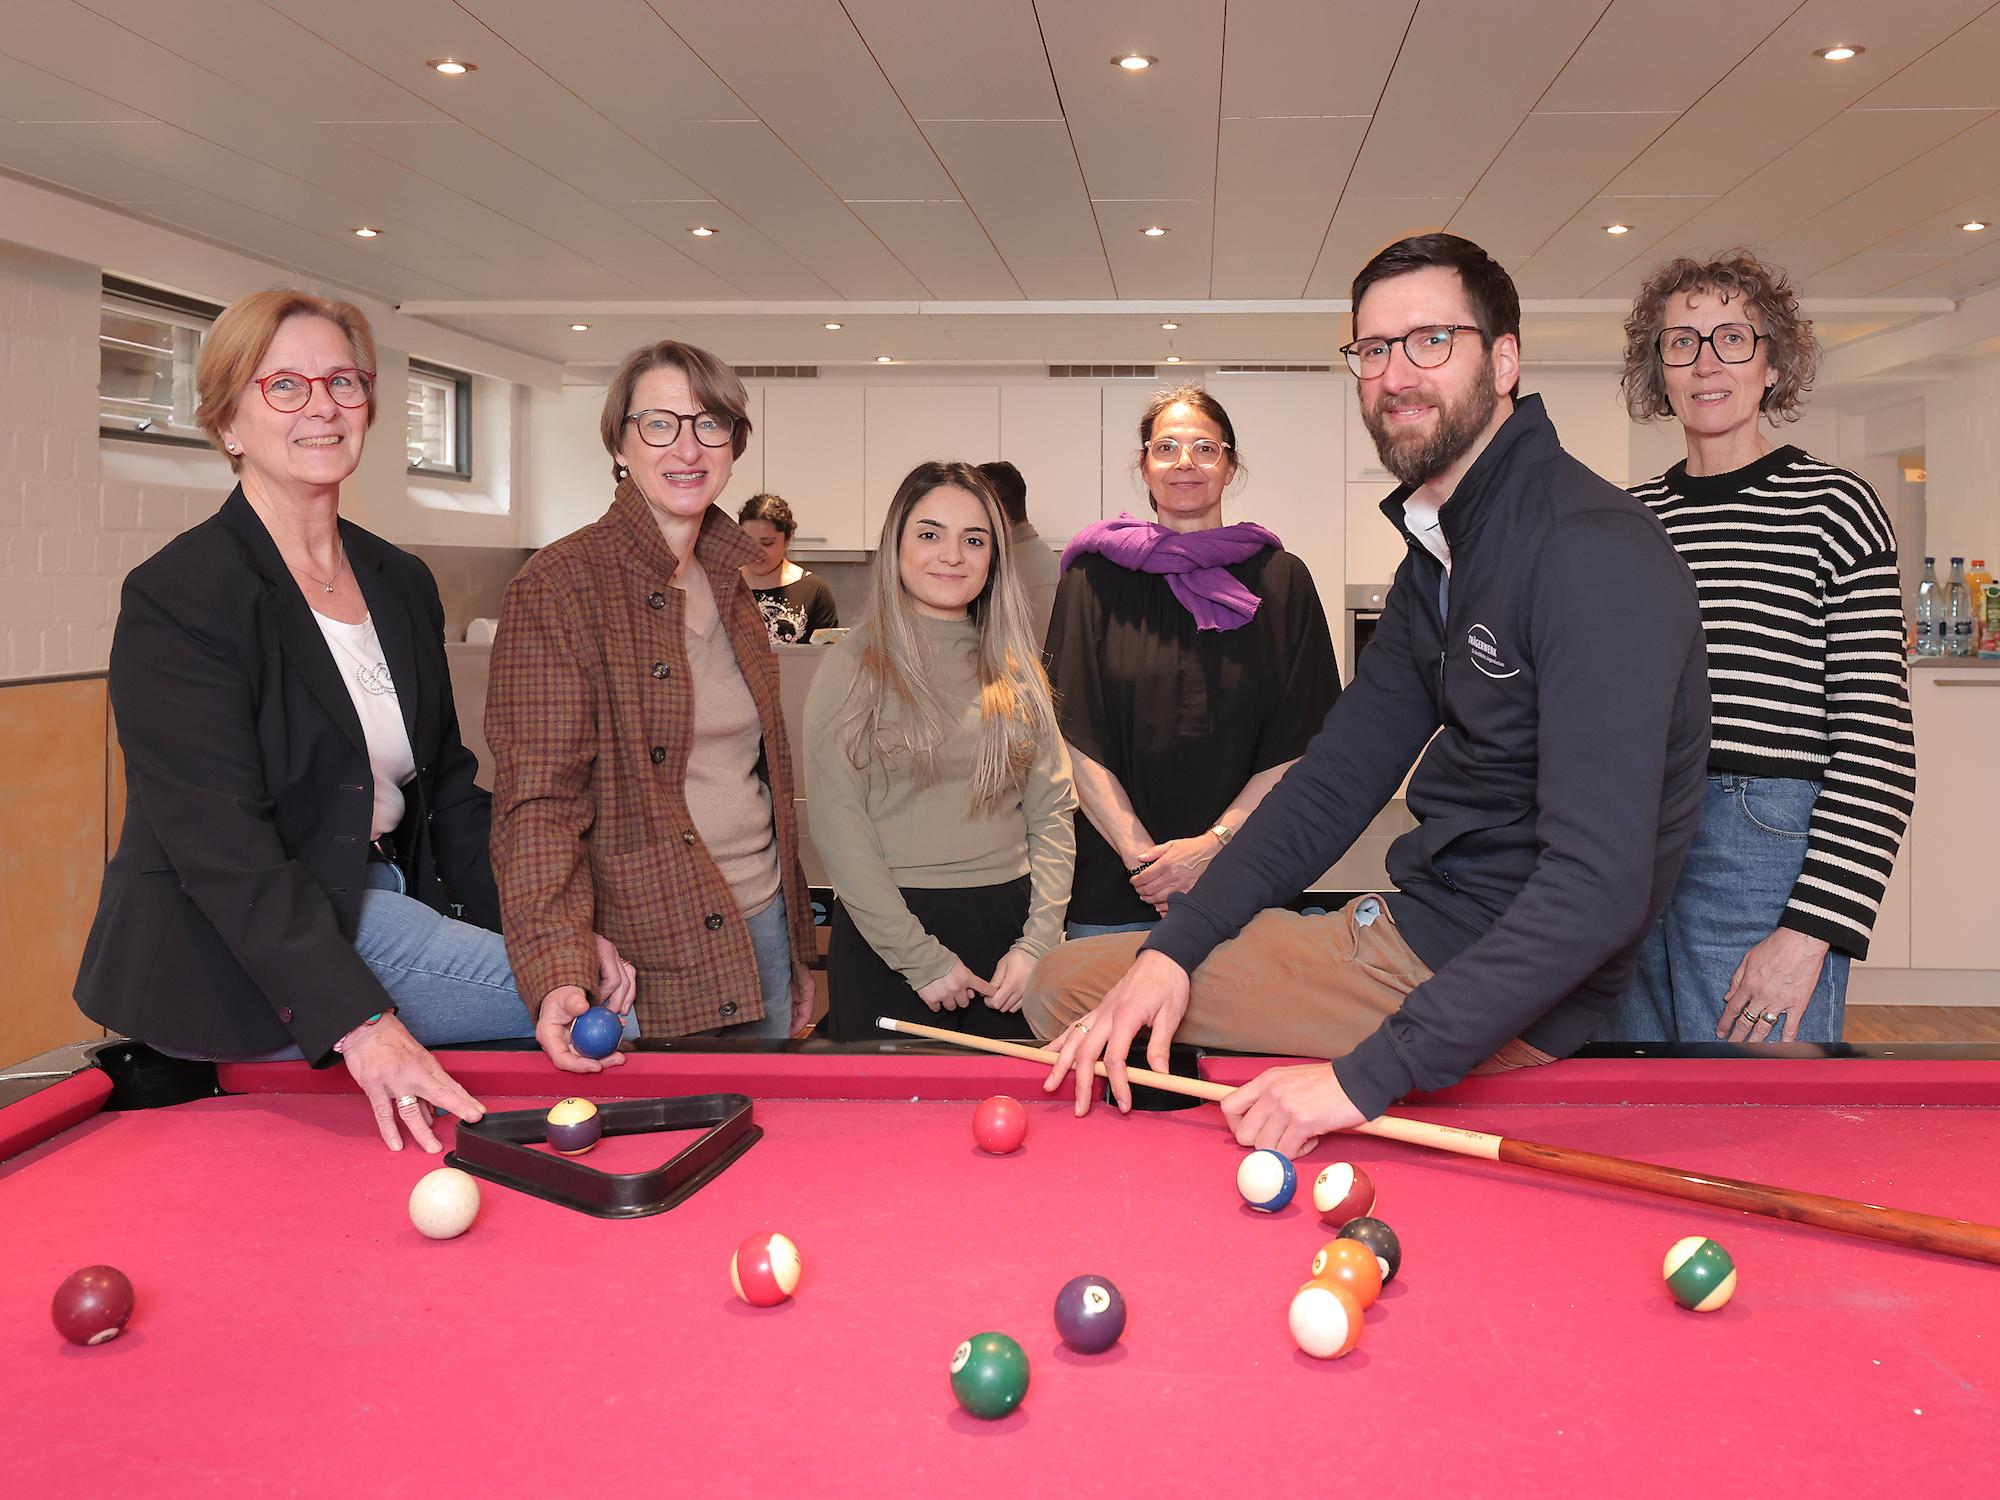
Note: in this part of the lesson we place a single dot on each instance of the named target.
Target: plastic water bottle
(1957, 612)
(1928, 641)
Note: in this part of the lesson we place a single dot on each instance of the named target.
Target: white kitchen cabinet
(1950, 848)
(812, 444)
(905, 425)
(1289, 430)
(1054, 435)
(747, 477)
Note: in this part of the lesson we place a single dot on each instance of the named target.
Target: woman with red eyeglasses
(302, 831)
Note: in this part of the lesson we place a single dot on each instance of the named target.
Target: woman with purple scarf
(1191, 662)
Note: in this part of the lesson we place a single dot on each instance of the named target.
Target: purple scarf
(1194, 562)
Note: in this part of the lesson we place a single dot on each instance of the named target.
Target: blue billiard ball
(1267, 1181)
(595, 1033)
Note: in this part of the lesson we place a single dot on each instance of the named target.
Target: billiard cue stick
(1960, 1237)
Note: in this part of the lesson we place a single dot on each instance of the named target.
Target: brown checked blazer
(590, 713)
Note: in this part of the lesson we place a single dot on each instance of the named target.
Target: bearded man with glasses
(1539, 659)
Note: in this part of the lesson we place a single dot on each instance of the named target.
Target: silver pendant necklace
(325, 583)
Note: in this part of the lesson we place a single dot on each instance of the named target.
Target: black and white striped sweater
(1795, 563)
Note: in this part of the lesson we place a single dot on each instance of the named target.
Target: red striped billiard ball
(1342, 1192)
(93, 1305)
(1000, 1124)
(765, 1269)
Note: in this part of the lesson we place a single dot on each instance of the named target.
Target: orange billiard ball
(1351, 1264)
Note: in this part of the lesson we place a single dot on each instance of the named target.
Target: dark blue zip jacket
(1568, 695)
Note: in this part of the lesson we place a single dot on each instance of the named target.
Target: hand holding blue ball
(595, 1033)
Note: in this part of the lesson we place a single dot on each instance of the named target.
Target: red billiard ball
(93, 1305)
(764, 1271)
(1000, 1124)
(1343, 1192)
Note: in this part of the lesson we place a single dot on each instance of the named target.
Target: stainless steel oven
(1364, 608)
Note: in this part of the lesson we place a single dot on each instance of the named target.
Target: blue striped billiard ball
(1267, 1181)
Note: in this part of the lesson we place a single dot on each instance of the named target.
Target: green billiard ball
(989, 1374)
(1700, 1274)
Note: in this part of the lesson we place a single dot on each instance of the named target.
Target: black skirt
(978, 923)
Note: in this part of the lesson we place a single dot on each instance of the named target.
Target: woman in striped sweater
(1812, 766)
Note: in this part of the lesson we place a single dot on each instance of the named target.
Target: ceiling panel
(1283, 59)
(1852, 149)
(1425, 131)
(1139, 135)
(1365, 225)
(1581, 256)
(1175, 264)
(1547, 171)
(1972, 272)
(943, 245)
(1781, 93)
(736, 254)
(822, 92)
(1276, 187)
(1021, 179)
(1009, 80)
(1063, 277)
(1958, 73)
(1640, 57)
(28, 94)
(1870, 273)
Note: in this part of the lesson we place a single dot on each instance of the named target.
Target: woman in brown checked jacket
(644, 777)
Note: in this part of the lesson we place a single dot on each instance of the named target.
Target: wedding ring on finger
(404, 1101)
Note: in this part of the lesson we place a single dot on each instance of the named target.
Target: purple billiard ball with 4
(1090, 1314)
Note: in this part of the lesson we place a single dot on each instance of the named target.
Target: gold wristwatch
(1223, 834)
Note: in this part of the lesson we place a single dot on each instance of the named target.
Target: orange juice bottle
(1975, 587)
(1986, 620)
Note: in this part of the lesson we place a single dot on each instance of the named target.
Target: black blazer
(227, 917)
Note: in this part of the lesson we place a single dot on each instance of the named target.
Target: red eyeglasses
(288, 390)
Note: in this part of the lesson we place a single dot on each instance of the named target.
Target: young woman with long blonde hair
(939, 786)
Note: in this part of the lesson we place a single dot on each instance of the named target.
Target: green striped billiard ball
(1700, 1274)
(989, 1374)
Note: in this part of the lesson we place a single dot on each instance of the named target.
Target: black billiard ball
(93, 1305)
(1380, 1238)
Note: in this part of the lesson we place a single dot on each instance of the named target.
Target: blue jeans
(1749, 846)
(1099, 929)
(771, 941)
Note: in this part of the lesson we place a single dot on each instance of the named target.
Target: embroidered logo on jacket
(1486, 654)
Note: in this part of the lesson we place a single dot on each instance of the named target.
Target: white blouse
(357, 652)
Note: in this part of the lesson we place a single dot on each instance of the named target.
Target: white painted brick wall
(67, 536)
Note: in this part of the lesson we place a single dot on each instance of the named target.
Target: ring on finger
(1769, 1018)
(404, 1101)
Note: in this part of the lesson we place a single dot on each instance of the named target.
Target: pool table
(295, 1334)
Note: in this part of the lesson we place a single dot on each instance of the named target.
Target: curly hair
(1737, 274)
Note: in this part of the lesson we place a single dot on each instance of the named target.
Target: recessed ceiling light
(1839, 53)
(701, 231)
(831, 327)
(1152, 231)
(1617, 228)
(579, 328)
(1173, 359)
(1170, 327)
(365, 233)
(1973, 226)
(451, 67)
(1134, 62)
(885, 359)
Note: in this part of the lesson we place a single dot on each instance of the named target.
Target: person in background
(940, 790)
(1034, 560)
(1812, 762)
(644, 775)
(300, 813)
(1191, 663)
(795, 602)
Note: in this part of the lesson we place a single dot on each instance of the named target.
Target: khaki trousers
(1287, 985)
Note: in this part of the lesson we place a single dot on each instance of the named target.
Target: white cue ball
(444, 1203)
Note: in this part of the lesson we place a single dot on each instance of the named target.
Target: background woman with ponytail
(939, 785)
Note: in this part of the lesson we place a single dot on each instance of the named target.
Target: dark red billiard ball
(1090, 1314)
(1000, 1124)
(93, 1305)
(574, 1126)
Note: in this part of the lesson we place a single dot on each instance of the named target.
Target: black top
(227, 917)
(795, 611)
(1182, 717)
(1561, 711)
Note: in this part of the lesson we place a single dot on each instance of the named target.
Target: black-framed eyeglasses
(1426, 348)
(289, 390)
(660, 428)
(1733, 343)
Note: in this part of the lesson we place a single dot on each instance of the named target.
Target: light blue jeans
(1749, 846)
(771, 941)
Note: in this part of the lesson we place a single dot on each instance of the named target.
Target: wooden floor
(1922, 1023)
